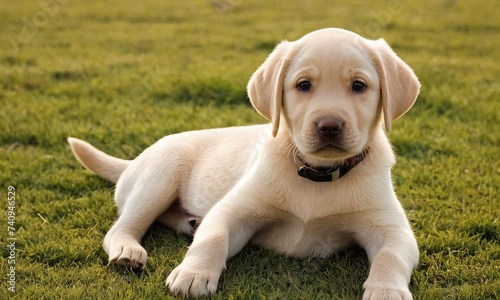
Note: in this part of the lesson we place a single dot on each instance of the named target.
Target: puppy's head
(331, 89)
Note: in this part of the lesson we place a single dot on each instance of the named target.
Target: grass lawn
(122, 74)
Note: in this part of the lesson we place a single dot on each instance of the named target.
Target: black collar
(328, 174)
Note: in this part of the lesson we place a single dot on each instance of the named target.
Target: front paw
(376, 293)
(129, 255)
(192, 282)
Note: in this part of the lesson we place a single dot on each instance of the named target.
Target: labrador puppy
(317, 179)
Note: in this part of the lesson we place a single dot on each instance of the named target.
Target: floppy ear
(399, 85)
(265, 88)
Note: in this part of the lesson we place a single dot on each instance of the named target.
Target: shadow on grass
(255, 273)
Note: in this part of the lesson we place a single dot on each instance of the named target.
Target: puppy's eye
(358, 86)
(304, 86)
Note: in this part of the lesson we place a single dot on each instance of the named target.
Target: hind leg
(179, 219)
(142, 201)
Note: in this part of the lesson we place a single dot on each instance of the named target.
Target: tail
(98, 162)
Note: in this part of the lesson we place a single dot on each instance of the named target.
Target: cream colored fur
(240, 184)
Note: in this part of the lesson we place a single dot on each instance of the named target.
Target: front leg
(222, 234)
(393, 253)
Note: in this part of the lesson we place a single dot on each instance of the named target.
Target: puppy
(317, 179)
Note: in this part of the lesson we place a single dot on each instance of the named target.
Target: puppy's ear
(399, 85)
(265, 88)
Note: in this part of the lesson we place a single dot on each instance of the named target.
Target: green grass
(121, 75)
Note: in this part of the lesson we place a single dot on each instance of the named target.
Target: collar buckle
(333, 173)
(319, 175)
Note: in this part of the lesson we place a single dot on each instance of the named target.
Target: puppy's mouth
(327, 151)
(333, 147)
(331, 150)
(330, 153)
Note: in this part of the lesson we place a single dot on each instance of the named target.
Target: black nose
(330, 127)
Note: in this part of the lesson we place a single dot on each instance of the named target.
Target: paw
(192, 282)
(387, 294)
(131, 255)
